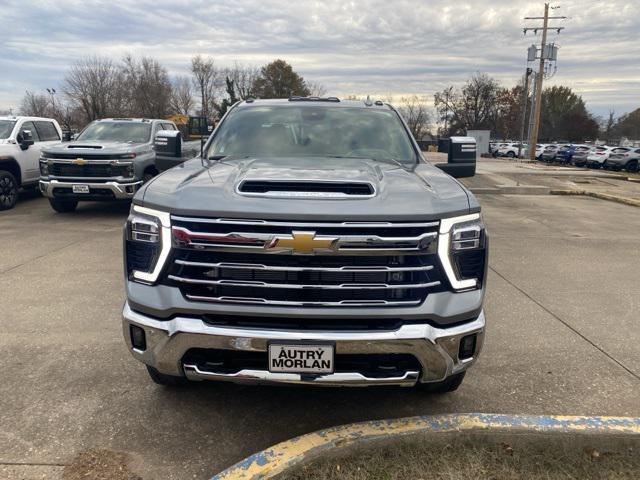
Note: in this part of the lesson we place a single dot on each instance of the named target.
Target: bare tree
(147, 87)
(182, 101)
(415, 112)
(205, 79)
(35, 105)
(95, 84)
(316, 89)
(475, 106)
(243, 79)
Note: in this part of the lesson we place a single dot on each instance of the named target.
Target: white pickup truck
(21, 139)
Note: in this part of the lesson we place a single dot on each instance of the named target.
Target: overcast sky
(387, 47)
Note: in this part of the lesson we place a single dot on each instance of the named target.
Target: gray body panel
(208, 188)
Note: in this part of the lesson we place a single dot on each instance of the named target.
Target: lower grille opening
(332, 324)
(369, 365)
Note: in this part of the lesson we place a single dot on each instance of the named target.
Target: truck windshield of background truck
(305, 131)
(6, 127)
(126, 132)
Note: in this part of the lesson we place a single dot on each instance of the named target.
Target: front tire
(63, 206)
(8, 190)
(448, 385)
(164, 379)
(632, 166)
(511, 154)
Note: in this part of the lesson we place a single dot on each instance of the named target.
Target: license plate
(301, 358)
(80, 188)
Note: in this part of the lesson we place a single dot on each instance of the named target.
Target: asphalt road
(563, 335)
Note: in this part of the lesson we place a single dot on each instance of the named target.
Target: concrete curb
(291, 453)
(602, 196)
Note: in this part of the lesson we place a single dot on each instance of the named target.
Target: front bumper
(436, 349)
(113, 190)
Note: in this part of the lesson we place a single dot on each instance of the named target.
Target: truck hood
(97, 148)
(211, 189)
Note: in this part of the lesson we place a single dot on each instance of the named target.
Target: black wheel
(451, 384)
(166, 380)
(511, 154)
(632, 166)
(8, 190)
(63, 206)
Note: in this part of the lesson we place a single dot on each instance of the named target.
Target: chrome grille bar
(311, 225)
(258, 242)
(343, 286)
(289, 303)
(275, 268)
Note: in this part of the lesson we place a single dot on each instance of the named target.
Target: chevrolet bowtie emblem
(303, 243)
(79, 161)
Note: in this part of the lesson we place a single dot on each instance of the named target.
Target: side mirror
(25, 139)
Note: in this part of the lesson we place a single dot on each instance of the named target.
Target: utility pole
(545, 54)
(525, 98)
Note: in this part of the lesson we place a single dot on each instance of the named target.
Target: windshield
(313, 131)
(127, 132)
(6, 127)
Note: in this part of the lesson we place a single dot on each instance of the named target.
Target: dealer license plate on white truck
(80, 188)
(301, 358)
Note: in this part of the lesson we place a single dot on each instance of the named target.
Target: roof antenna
(368, 101)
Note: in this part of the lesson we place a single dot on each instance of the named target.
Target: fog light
(467, 347)
(138, 339)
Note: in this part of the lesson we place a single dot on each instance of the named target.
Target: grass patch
(456, 458)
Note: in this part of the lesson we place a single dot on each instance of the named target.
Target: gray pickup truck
(109, 160)
(310, 244)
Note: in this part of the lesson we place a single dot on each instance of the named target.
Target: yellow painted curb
(277, 459)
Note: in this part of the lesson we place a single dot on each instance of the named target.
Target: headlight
(44, 167)
(462, 248)
(147, 243)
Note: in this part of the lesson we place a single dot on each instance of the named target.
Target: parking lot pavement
(562, 338)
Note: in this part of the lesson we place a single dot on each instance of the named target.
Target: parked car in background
(21, 140)
(579, 157)
(109, 160)
(565, 153)
(511, 149)
(598, 156)
(549, 153)
(539, 149)
(623, 157)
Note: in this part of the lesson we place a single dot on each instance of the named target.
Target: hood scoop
(306, 189)
(95, 147)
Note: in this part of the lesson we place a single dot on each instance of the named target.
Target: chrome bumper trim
(435, 348)
(409, 379)
(118, 189)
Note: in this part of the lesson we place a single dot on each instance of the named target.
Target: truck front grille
(304, 264)
(88, 170)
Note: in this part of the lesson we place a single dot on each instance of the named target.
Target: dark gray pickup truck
(310, 244)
